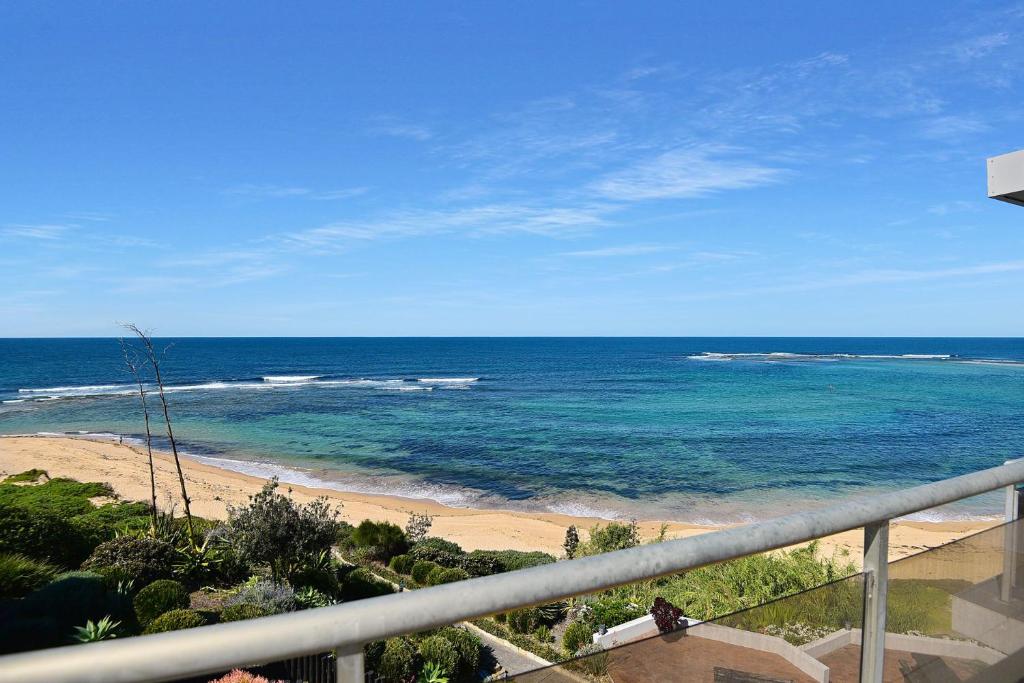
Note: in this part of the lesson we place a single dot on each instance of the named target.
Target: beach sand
(212, 489)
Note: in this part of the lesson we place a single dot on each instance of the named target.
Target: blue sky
(528, 168)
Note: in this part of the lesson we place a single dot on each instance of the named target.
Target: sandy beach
(212, 489)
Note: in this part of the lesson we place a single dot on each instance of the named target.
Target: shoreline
(213, 488)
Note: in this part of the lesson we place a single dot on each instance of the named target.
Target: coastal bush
(159, 597)
(28, 476)
(176, 620)
(402, 563)
(276, 532)
(107, 521)
(65, 498)
(241, 612)
(542, 633)
(48, 616)
(417, 528)
(40, 535)
(269, 597)
(322, 579)
(421, 570)
(424, 549)
(442, 653)
(727, 587)
(20, 575)
(446, 575)
(142, 560)
(523, 620)
(610, 537)
(479, 565)
(468, 647)
(398, 661)
(360, 583)
(343, 537)
(611, 611)
(577, 635)
(511, 560)
(309, 598)
(383, 540)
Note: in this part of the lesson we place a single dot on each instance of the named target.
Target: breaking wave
(781, 356)
(265, 383)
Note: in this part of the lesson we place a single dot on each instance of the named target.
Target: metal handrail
(347, 627)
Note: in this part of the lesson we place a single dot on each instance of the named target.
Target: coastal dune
(212, 489)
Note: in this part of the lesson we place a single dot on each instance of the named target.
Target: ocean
(702, 430)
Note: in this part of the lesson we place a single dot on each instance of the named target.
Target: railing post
(1011, 514)
(350, 666)
(876, 586)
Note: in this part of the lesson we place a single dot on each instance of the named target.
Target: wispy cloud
(687, 173)
(623, 250)
(39, 231)
(255, 191)
(948, 127)
(863, 278)
(393, 127)
(957, 206)
(489, 219)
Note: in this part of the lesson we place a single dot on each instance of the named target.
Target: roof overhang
(1006, 178)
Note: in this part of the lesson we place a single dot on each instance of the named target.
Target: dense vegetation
(79, 565)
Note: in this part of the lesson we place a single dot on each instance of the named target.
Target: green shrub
(48, 616)
(480, 565)
(105, 522)
(267, 596)
(613, 536)
(468, 647)
(241, 612)
(523, 620)
(402, 563)
(421, 571)
(542, 633)
(276, 532)
(176, 620)
(30, 476)
(372, 652)
(383, 538)
(65, 498)
(41, 535)
(441, 652)
(159, 597)
(310, 598)
(143, 560)
(614, 611)
(438, 551)
(399, 660)
(359, 583)
(446, 575)
(511, 560)
(577, 635)
(20, 575)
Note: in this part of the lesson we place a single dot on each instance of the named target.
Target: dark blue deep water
(693, 429)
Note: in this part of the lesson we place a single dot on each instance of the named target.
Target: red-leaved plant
(666, 615)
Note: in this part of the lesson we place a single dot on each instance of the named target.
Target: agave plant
(104, 629)
(432, 673)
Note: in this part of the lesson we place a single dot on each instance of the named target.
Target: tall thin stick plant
(131, 360)
(154, 360)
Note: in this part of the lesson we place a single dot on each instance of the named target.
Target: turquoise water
(690, 429)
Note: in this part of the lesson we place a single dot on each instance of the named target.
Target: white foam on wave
(577, 509)
(268, 382)
(790, 356)
(378, 485)
(290, 379)
(448, 380)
